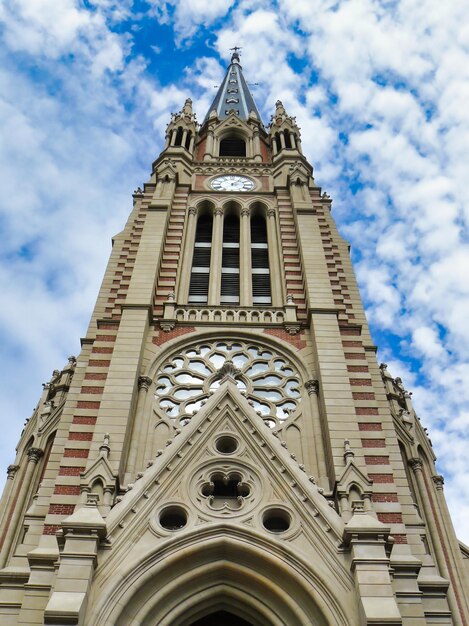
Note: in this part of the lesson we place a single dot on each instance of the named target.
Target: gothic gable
(225, 466)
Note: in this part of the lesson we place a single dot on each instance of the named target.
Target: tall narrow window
(260, 262)
(198, 288)
(178, 140)
(230, 261)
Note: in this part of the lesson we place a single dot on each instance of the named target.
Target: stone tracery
(269, 382)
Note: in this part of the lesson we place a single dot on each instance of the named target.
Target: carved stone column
(140, 430)
(216, 257)
(245, 259)
(256, 145)
(437, 539)
(189, 241)
(5, 500)
(461, 571)
(209, 146)
(282, 140)
(312, 387)
(273, 144)
(274, 259)
(34, 455)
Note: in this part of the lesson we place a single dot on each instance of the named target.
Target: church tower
(225, 449)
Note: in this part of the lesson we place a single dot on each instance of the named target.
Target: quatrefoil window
(270, 383)
(225, 491)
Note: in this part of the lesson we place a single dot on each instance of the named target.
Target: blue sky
(380, 91)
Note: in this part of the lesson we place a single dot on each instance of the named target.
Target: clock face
(231, 182)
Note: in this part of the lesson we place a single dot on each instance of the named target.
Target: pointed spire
(233, 93)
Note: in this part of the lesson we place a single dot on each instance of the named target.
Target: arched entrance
(221, 573)
(221, 618)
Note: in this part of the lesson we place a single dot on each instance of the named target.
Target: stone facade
(225, 448)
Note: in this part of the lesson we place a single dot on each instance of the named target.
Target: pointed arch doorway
(221, 618)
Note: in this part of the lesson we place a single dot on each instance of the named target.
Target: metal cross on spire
(235, 55)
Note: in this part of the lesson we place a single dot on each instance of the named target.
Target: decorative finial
(348, 452)
(280, 109)
(105, 448)
(228, 370)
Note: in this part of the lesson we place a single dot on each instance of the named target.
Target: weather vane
(236, 48)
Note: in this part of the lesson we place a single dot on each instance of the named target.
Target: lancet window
(230, 261)
(260, 262)
(200, 274)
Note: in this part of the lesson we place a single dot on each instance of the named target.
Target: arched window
(233, 146)
(230, 261)
(178, 140)
(198, 288)
(288, 145)
(261, 293)
(188, 140)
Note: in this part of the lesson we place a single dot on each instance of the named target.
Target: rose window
(270, 383)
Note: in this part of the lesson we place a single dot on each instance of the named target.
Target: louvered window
(198, 288)
(230, 261)
(260, 262)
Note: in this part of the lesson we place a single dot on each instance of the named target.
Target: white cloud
(425, 340)
(189, 15)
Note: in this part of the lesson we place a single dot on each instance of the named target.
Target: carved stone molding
(439, 481)
(229, 370)
(312, 386)
(292, 329)
(246, 484)
(233, 315)
(218, 211)
(35, 454)
(167, 325)
(144, 382)
(193, 210)
(245, 212)
(11, 471)
(416, 464)
(270, 212)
